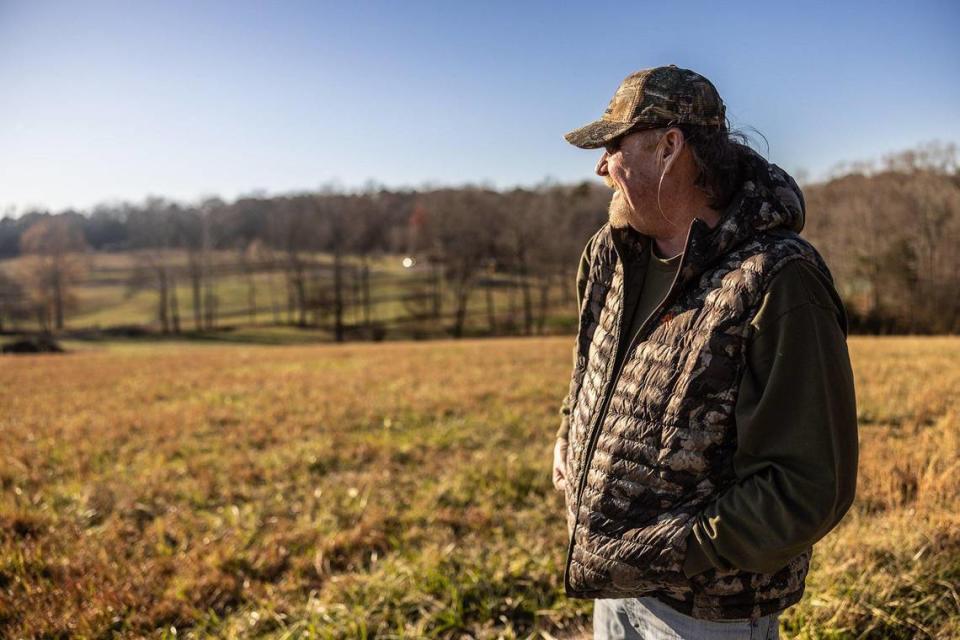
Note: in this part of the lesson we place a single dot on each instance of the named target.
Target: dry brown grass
(892, 567)
(395, 490)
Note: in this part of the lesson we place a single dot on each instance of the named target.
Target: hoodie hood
(774, 190)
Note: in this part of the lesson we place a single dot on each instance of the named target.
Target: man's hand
(560, 464)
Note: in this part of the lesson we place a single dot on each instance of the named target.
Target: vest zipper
(611, 385)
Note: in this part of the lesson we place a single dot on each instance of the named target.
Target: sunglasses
(614, 145)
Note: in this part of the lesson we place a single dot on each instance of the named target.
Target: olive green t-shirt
(797, 451)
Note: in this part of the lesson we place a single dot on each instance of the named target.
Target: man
(709, 436)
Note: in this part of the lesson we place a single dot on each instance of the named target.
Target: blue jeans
(650, 619)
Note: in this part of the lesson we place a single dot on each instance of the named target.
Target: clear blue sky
(117, 100)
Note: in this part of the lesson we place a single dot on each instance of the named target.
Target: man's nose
(601, 168)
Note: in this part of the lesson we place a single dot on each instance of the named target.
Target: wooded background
(378, 263)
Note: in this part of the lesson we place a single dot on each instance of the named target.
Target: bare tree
(344, 225)
(290, 233)
(55, 262)
(459, 226)
(248, 258)
(520, 232)
(260, 254)
(154, 232)
(209, 210)
(13, 302)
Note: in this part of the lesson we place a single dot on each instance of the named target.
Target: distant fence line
(350, 299)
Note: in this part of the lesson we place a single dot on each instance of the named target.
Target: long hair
(717, 153)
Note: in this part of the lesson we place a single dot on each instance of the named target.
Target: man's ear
(671, 144)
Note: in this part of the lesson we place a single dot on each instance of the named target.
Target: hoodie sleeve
(583, 271)
(797, 451)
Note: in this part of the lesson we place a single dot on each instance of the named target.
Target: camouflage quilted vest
(665, 446)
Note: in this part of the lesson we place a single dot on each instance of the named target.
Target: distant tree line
(889, 231)
(462, 237)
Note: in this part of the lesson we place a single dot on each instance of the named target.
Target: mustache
(609, 182)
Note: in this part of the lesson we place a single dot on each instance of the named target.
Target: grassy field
(395, 490)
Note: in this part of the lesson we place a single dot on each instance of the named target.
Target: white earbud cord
(660, 186)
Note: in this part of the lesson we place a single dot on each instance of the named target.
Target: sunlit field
(395, 490)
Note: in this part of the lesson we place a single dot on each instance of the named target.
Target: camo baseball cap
(650, 97)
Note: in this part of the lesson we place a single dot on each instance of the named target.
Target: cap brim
(596, 134)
